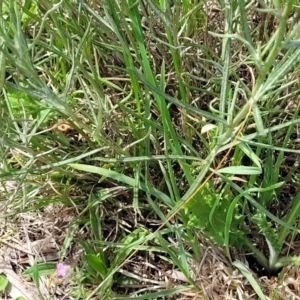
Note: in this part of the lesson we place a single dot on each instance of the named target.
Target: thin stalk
(258, 255)
(277, 44)
(293, 214)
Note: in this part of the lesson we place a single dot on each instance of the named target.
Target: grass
(151, 147)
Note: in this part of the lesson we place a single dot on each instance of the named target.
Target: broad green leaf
(41, 269)
(208, 212)
(96, 263)
(3, 282)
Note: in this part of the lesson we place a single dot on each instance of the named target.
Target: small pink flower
(61, 269)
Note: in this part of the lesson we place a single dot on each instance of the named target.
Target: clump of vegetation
(150, 146)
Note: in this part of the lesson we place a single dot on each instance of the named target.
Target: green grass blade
(248, 274)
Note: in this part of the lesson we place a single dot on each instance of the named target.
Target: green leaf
(248, 274)
(249, 152)
(96, 263)
(86, 246)
(199, 210)
(3, 282)
(163, 294)
(271, 236)
(130, 242)
(241, 170)
(42, 269)
(95, 218)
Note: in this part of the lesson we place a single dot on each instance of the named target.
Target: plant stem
(277, 44)
(293, 214)
(257, 254)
